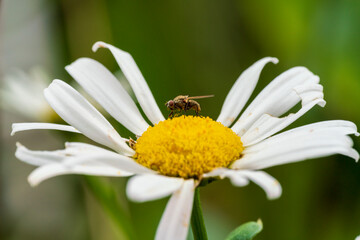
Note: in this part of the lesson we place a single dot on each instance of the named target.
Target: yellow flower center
(187, 146)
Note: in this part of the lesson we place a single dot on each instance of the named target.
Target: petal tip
(13, 130)
(98, 45)
(322, 103)
(274, 197)
(32, 181)
(68, 67)
(78, 63)
(46, 92)
(19, 145)
(356, 157)
(54, 82)
(274, 60)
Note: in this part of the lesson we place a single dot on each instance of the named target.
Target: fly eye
(171, 103)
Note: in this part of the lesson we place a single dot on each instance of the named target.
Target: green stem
(197, 219)
(107, 198)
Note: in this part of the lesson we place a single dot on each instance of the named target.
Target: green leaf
(246, 231)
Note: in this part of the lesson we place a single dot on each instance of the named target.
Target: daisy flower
(22, 93)
(173, 156)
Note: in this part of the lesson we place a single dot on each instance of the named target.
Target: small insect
(184, 102)
(132, 143)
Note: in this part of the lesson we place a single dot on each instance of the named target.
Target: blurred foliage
(197, 48)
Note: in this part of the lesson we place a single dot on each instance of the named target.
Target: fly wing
(181, 97)
(198, 97)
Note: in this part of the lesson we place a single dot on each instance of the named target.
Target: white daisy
(172, 156)
(22, 93)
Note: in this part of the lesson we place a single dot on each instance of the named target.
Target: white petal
(136, 80)
(340, 127)
(38, 158)
(311, 141)
(18, 127)
(174, 223)
(240, 178)
(217, 172)
(270, 185)
(357, 238)
(55, 169)
(236, 180)
(92, 161)
(241, 91)
(144, 188)
(81, 154)
(79, 148)
(102, 85)
(110, 159)
(268, 125)
(78, 112)
(283, 93)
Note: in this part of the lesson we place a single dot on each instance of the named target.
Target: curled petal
(268, 125)
(270, 185)
(241, 91)
(240, 178)
(284, 92)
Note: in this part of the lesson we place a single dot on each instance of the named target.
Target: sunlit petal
(102, 85)
(78, 112)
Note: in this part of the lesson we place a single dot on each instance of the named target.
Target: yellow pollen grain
(187, 146)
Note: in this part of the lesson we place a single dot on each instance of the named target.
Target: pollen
(187, 146)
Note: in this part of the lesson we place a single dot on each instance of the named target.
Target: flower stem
(197, 219)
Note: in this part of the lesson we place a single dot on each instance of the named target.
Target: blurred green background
(197, 48)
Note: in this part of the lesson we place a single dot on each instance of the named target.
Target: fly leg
(196, 107)
(186, 106)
